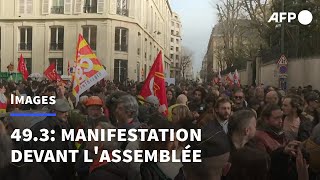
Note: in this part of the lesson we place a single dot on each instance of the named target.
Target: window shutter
(78, 6)
(29, 8)
(113, 6)
(45, 6)
(132, 8)
(21, 6)
(67, 6)
(100, 6)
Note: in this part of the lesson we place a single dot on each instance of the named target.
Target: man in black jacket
(58, 170)
(15, 171)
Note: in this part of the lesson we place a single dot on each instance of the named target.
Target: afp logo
(304, 17)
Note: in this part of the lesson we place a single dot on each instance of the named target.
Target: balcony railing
(121, 47)
(25, 46)
(57, 10)
(56, 46)
(90, 9)
(123, 12)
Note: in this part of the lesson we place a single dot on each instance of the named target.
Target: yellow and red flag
(155, 83)
(88, 69)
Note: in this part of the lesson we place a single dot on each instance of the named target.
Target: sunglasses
(238, 97)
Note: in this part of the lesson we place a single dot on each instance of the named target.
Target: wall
(301, 72)
(243, 76)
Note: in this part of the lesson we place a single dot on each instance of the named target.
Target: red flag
(51, 73)
(155, 83)
(236, 78)
(22, 68)
(230, 79)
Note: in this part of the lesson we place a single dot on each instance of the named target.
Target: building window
(171, 39)
(171, 56)
(90, 34)
(177, 49)
(122, 8)
(177, 57)
(120, 70)
(172, 32)
(177, 33)
(177, 65)
(121, 39)
(25, 38)
(59, 64)
(56, 42)
(25, 6)
(90, 6)
(57, 7)
(177, 41)
(171, 48)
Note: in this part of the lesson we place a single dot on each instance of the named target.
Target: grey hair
(240, 120)
(315, 136)
(109, 145)
(130, 104)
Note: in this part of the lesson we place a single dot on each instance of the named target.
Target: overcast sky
(198, 17)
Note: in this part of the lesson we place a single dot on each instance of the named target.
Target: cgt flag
(155, 84)
(22, 68)
(229, 78)
(51, 73)
(237, 78)
(88, 69)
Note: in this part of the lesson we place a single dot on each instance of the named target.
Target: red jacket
(268, 141)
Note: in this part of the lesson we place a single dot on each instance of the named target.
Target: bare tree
(259, 12)
(240, 40)
(186, 60)
(229, 12)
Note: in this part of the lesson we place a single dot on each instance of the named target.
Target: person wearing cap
(150, 106)
(153, 101)
(94, 107)
(58, 170)
(95, 114)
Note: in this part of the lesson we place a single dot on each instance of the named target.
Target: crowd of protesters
(252, 132)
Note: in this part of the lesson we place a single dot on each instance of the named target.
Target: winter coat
(305, 129)
(109, 171)
(268, 141)
(58, 170)
(151, 171)
(28, 171)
